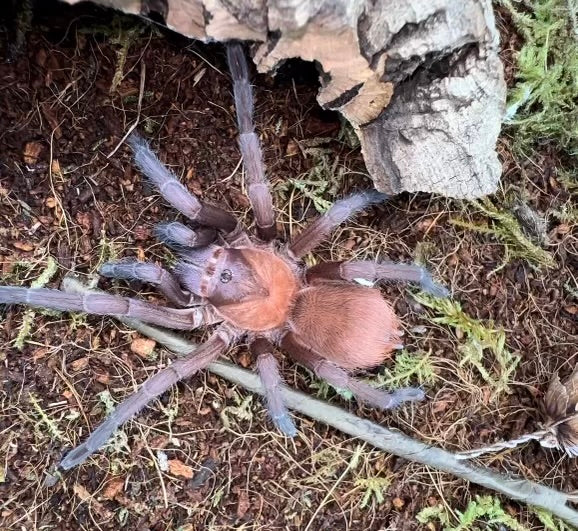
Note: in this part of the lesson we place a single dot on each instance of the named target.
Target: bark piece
(419, 80)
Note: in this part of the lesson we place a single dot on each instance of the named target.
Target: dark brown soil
(68, 189)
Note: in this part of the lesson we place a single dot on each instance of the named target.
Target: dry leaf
(143, 346)
(561, 402)
(178, 468)
(113, 488)
(31, 152)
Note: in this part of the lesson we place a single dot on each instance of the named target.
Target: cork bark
(420, 80)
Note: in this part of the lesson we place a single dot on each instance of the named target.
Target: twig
(393, 442)
(138, 110)
(502, 445)
(512, 443)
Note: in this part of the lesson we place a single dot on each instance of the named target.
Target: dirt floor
(68, 190)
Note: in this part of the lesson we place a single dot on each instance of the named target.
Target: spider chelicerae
(253, 288)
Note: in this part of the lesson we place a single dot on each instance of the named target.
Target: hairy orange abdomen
(351, 325)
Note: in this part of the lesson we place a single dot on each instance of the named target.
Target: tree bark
(419, 80)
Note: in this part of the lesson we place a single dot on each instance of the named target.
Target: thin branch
(393, 442)
(138, 110)
(502, 445)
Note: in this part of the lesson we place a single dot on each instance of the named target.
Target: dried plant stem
(502, 445)
(512, 443)
(393, 442)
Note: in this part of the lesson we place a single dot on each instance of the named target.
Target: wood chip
(51, 202)
(292, 149)
(199, 75)
(40, 353)
(84, 220)
(143, 346)
(85, 496)
(23, 246)
(81, 492)
(245, 359)
(103, 378)
(50, 116)
(439, 406)
(178, 468)
(398, 503)
(243, 504)
(349, 244)
(141, 233)
(55, 167)
(31, 152)
(79, 364)
(113, 488)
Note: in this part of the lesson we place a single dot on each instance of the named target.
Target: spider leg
(257, 185)
(341, 210)
(106, 304)
(179, 236)
(271, 379)
(166, 283)
(341, 379)
(371, 272)
(155, 386)
(174, 191)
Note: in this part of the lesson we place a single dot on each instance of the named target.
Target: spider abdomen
(352, 326)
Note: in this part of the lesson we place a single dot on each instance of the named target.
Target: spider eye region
(226, 276)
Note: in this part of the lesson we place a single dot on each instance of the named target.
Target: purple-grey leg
(376, 271)
(257, 185)
(152, 274)
(272, 382)
(341, 379)
(174, 191)
(341, 210)
(179, 236)
(151, 389)
(105, 304)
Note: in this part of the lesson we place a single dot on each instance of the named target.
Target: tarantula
(253, 288)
